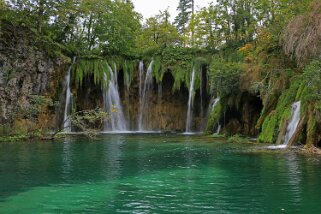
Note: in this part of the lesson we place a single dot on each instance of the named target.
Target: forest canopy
(113, 27)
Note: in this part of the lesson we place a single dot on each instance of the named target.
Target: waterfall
(296, 107)
(112, 104)
(144, 92)
(190, 103)
(292, 126)
(127, 95)
(141, 75)
(67, 122)
(201, 92)
(213, 103)
(218, 130)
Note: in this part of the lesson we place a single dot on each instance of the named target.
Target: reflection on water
(294, 176)
(66, 160)
(112, 155)
(155, 173)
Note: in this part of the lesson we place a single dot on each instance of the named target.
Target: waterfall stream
(201, 92)
(293, 124)
(190, 103)
(112, 104)
(127, 99)
(141, 76)
(148, 86)
(213, 103)
(67, 122)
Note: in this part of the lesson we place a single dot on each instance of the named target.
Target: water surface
(155, 173)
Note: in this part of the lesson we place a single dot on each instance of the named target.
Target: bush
(237, 139)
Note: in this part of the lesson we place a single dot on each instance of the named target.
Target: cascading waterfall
(127, 84)
(218, 130)
(67, 121)
(112, 104)
(292, 126)
(190, 103)
(296, 108)
(212, 105)
(141, 86)
(141, 76)
(201, 92)
(120, 111)
(148, 83)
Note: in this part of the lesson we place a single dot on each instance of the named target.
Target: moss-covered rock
(306, 88)
(214, 119)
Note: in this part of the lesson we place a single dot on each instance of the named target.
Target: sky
(150, 8)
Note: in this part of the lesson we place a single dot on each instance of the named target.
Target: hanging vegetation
(100, 70)
(302, 36)
(305, 88)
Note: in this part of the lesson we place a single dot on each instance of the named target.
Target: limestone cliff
(29, 80)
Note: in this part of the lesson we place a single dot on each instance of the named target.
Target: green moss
(237, 139)
(311, 129)
(99, 69)
(128, 69)
(215, 135)
(84, 67)
(285, 115)
(180, 62)
(14, 138)
(269, 129)
(214, 119)
(5, 129)
(158, 70)
(305, 88)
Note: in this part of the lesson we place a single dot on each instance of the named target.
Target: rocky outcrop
(166, 112)
(29, 79)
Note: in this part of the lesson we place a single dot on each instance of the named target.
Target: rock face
(165, 111)
(28, 79)
(242, 114)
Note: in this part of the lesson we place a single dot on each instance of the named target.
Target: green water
(155, 174)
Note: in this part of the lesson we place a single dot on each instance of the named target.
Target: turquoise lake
(155, 173)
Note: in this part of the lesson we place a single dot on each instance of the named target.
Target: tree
(85, 120)
(158, 32)
(2, 5)
(100, 27)
(207, 28)
(186, 12)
